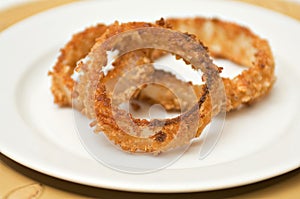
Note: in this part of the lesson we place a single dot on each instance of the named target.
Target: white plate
(257, 143)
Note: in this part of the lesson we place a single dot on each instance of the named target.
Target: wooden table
(17, 180)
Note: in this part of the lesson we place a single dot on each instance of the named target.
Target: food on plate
(93, 92)
(99, 100)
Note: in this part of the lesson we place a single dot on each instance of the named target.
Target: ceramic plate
(256, 143)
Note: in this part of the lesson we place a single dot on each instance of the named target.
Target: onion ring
(168, 133)
(224, 39)
(232, 42)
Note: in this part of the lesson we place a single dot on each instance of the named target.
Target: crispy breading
(77, 48)
(119, 125)
(223, 39)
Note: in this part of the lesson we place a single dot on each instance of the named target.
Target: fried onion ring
(232, 42)
(165, 133)
(224, 39)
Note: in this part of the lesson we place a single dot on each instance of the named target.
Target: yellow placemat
(17, 181)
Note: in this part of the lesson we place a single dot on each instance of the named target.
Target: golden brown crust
(168, 133)
(240, 45)
(235, 43)
(224, 39)
(77, 48)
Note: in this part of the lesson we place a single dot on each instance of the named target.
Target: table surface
(17, 181)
